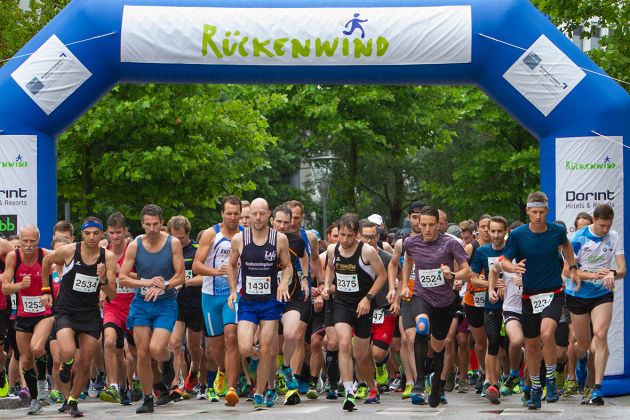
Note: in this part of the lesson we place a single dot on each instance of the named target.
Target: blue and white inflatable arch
(506, 47)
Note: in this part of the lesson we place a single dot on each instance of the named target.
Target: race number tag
(491, 261)
(85, 284)
(378, 316)
(32, 304)
(121, 289)
(431, 278)
(541, 301)
(480, 299)
(189, 274)
(348, 283)
(258, 285)
(145, 290)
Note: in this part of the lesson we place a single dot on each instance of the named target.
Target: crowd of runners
(259, 308)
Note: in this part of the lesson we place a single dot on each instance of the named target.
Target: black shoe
(146, 407)
(73, 409)
(434, 396)
(479, 384)
(168, 372)
(164, 399)
(65, 372)
(64, 407)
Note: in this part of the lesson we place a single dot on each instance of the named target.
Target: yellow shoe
(407, 393)
(231, 398)
(4, 384)
(220, 385)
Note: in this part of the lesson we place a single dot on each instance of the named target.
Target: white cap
(376, 218)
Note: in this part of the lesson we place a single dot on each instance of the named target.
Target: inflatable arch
(506, 47)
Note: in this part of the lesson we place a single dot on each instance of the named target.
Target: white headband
(537, 204)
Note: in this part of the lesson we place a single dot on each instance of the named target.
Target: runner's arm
(621, 266)
(317, 271)
(178, 265)
(235, 255)
(8, 287)
(110, 266)
(199, 267)
(125, 279)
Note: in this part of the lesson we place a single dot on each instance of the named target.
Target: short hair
(515, 224)
(537, 197)
(231, 199)
(59, 240)
(430, 211)
(499, 219)
(63, 226)
(330, 228)
(295, 203)
(582, 215)
(13, 237)
(349, 221)
(365, 223)
(116, 220)
(151, 210)
(29, 226)
(484, 217)
(467, 226)
(178, 222)
(92, 219)
(282, 209)
(245, 203)
(603, 211)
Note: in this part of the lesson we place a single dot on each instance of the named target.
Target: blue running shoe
(302, 387)
(535, 400)
(270, 397)
(581, 372)
(259, 402)
(552, 391)
(289, 378)
(419, 398)
(596, 398)
(332, 394)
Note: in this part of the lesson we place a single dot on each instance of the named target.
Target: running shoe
(302, 387)
(42, 389)
(65, 371)
(373, 397)
(55, 397)
(493, 395)
(125, 397)
(168, 371)
(175, 394)
(220, 384)
(99, 382)
(63, 408)
(381, 375)
(535, 401)
(480, 382)
(292, 397)
(508, 386)
(92, 392)
(560, 379)
(462, 386)
(271, 396)
(408, 392)
(362, 391)
(201, 392)
(332, 394)
(312, 393)
(396, 385)
(341, 391)
(552, 391)
(443, 399)
(450, 380)
(419, 398)
(526, 394)
(484, 389)
(434, 396)
(110, 394)
(280, 384)
(73, 409)
(586, 395)
(190, 382)
(231, 398)
(248, 393)
(136, 390)
(212, 396)
(259, 402)
(349, 403)
(24, 396)
(581, 372)
(146, 406)
(4, 384)
(164, 398)
(570, 388)
(596, 398)
(36, 407)
(289, 378)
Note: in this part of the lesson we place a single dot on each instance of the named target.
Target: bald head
(259, 214)
(259, 203)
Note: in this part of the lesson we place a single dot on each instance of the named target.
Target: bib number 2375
(348, 283)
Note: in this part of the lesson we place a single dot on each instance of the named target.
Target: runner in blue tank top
(159, 263)
(261, 252)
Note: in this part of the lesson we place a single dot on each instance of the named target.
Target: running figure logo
(18, 158)
(355, 24)
(607, 160)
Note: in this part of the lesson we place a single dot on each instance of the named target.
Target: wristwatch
(105, 282)
(573, 267)
(166, 283)
(614, 273)
(369, 297)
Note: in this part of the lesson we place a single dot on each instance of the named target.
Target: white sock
(115, 386)
(348, 386)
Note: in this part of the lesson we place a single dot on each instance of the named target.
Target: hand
(153, 293)
(46, 300)
(101, 297)
(500, 284)
(305, 290)
(100, 272)
(221, 271)
(158, 282)
(364, 307)
(325, 292)
(391, 296)
(609, 281)
(520, 268)
(457, 285)
(602, 272)
(394, 308)
(318, 304)
(501, 293)
(492, 295)
(232, 300)
(315, 291)
(406, 293)
(26, 282)
(576, 280)
(446, 270)
(282, 294)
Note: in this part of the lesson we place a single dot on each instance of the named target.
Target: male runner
(360, 275)
(245, 214)
(159, 263)
(211, 261)
(261, 251)
(88, 269)
(433, 255)
(598, 249)
(34, 321)
(535, 246)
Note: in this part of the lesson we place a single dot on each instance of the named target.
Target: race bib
(378, 316)
(541, 301)
(348, 283)
(85, 284)
(189, 274)
(32, 304)
(145, 290)
(258, 285)
(431, 278)
(480, 299)
(491, 262)
(122, 289)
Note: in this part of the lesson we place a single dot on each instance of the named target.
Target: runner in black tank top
(87, 269)
(360, 275)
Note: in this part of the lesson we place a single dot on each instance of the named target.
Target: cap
(455, 231)
(376, 218)
(415, 207)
